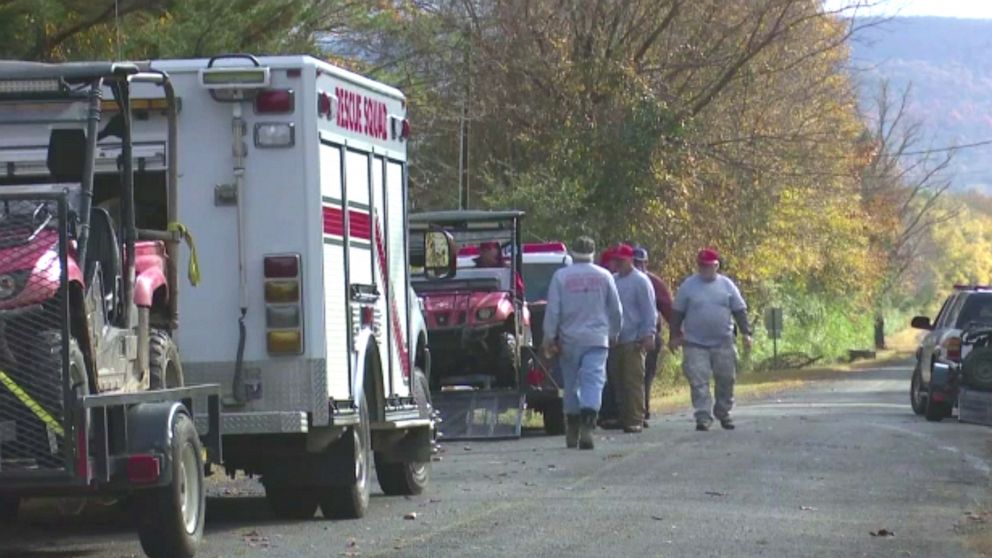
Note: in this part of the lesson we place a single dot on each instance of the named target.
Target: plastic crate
(975, 406)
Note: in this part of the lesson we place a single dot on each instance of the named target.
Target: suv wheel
(916, 397)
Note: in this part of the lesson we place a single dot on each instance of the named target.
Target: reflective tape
(31, 404)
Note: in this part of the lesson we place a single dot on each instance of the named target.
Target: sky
(981, 9)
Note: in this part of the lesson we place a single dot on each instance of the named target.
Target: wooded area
(673, 123)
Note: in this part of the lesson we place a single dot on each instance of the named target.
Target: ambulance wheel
(170, 518)
(291, 502)
(554, 418)
(164, 367)
(352, 501)
(8, 509)
(411, 477)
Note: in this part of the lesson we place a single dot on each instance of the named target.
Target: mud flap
(479, 414)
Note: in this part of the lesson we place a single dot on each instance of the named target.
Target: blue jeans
(583, 370)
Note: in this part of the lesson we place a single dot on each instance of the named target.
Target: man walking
(582, 318)
(706, 306)
(637, 337)
(663, 302)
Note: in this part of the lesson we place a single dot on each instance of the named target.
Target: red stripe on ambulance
(360, 223)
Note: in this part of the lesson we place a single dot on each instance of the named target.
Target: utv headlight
(11, 284)
(485, 313)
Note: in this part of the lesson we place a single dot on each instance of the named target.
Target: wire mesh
(34, 344)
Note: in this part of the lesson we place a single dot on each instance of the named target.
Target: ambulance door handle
(242, 56)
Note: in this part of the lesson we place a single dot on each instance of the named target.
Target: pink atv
(92, 399)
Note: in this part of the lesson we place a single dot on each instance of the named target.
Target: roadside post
(773, 323)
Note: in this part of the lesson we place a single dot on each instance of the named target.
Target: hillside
(948, 63)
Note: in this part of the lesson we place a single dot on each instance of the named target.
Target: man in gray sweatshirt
(583, 316)
(704, 311)
(640, 325)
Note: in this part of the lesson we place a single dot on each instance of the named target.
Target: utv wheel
(171, 517)
(554, 418)
(165, 368)
(291, 502)
(8, 509)
(937, 411)
(916, 398)
(408, 478)
(506, 368)
(352, 501)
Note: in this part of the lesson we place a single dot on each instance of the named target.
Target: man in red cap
(637, 334)
(706, 306)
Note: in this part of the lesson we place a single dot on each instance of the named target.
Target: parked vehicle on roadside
(955, 352)
(93, 395)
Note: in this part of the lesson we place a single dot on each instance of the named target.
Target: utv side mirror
(440, 254)
(921, 322)
(66, 154)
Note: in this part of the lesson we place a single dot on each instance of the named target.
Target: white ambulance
(293, 183)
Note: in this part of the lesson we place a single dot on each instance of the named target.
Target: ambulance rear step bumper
(264, 422)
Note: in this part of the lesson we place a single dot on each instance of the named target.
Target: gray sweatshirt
(640, 315)
(705, 310)
(583, 307)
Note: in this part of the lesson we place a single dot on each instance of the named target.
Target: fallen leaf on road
(552, 466)
(883, 533)
(434, 500)
(657, 518)
(352, 543)
(807, 508)
(254, 539)
(410, 516)
(614, 456)
(716, 494)
(467, 448)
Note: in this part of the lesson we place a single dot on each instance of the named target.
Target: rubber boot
(586, 428)
(572, 431)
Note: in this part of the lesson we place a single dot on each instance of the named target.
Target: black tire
(170, 518)
(9, 505)
(291, 502)
(916, 398)
(408, 478)
(352, 501)
(164, 365)
(554, 418)
(976, 370)
(937, 411)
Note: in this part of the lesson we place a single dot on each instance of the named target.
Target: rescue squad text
(361, 114)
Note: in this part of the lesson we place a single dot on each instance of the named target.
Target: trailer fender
(149, 430)
(146, 284)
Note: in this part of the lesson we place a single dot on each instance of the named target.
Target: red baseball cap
(606, 256)
(707, 256)
(624, 252)
(488, 245)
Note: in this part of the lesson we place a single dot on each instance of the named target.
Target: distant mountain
(949, 63)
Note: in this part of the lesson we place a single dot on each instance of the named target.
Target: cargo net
(33, 338)
(479, 414)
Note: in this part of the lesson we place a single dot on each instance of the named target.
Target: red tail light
(952, 347)
(405, 133)
(282, 267)
(535, 377)
(143, 469)
(274, 101)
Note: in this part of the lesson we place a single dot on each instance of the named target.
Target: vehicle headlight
(11, 283)
(485, 313)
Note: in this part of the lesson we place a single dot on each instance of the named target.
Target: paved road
(808, 473)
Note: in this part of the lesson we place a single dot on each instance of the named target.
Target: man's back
(583, 306)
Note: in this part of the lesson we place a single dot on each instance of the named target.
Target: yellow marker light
(282, 291)
(285, 342)
(110, 105)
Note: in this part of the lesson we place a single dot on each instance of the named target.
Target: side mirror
(921, 322)
(440, 254)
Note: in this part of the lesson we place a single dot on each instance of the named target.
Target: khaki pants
(626, 373)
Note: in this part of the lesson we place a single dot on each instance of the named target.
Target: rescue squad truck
(293, 182)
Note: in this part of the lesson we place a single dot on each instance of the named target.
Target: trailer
(93, 400)
(293, 178)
